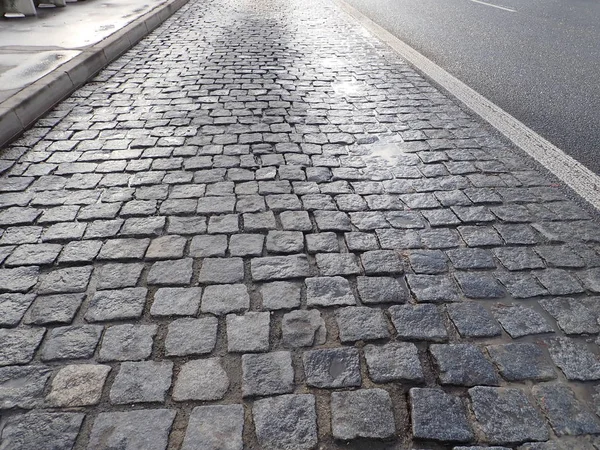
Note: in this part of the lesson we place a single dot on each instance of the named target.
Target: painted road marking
(494, 6)
(575, 175)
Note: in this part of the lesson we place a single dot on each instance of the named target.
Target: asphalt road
(539, 60)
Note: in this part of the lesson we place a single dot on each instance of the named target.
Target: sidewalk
(261, 229)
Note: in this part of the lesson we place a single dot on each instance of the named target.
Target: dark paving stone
(286, 421)
(203, 379)
(41, 431)
(418, 322)
(572, 315)
(17, 346)
(332, 368)
(479, 285)
(215, 427)
(73, 342)
(433, 288)
(522, 361)
(365, 413)
(576, 361)
(267, 374)
(396, 361)
(49, 309)
(566, 414)
(439, 416)
(141, 382)
(472, 320)
(23, 387)
(360, 323)
(506, 416)
(375, 290)
(519, 321)
(463, 365)
(148, 429)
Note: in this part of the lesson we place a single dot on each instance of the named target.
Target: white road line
(574, 174)
(494, 6)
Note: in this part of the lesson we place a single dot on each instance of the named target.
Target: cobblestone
(365, 413)
(276, 234)
(203, 379)
(215, 427)
(506, 416)
(286, 421)
(439, 416)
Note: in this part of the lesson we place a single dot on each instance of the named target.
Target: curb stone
(21, 110)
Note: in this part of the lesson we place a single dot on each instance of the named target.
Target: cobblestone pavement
(261, 229)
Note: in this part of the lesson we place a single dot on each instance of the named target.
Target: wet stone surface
(261, 228)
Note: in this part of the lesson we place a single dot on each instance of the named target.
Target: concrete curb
(21, 110)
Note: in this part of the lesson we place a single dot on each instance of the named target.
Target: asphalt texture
(540, 63)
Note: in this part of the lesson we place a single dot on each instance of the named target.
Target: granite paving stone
(223, 299)
(463, 365)
(396, 361)
(17, 346)
(127, 342)
(71, 279)
(71, 342)
(433, 288)
(141, 382)
(248, 332)
(116, 304)
(118, 275)
(473, 320)
(78, 385)
(280, 295)
(279, 267)
(439, 416)
(575, 360)
(60, 308)
(171, 273)
(191, 336)
(507, 416)
(572, 315)
(566, 414)
(261, 228)
(201, 380)
(13, 308)
(364, 413)
(176, 302)
(23, 386)
(221, 271)
(522, 361)
(418, 322)
(43, 431)
(302, 328)
(520, 321)
(479, 285)
(332, 368)
(33, 255)
(375, 290)
(267, 374)
(329, 291)
(215, 427)
(286, 421)
(148, 429)
(361, 323)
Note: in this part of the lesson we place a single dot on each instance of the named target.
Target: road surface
(539, 60)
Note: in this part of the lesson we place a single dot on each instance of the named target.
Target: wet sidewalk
(261, 229)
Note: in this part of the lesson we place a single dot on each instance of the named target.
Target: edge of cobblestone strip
(21, 110)
(575, 175)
